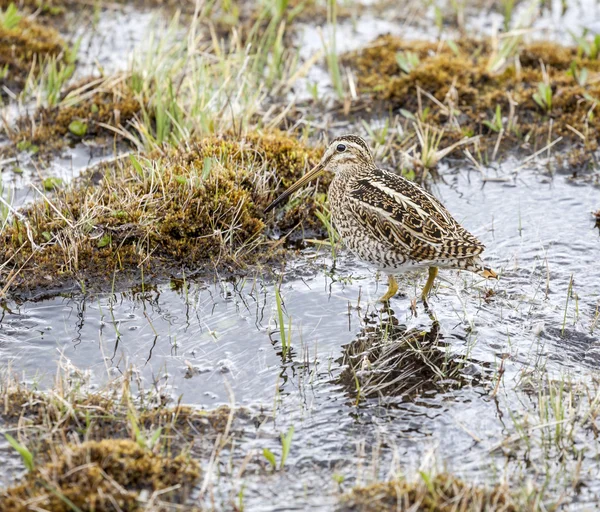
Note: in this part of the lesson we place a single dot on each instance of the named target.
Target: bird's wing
(403, 216)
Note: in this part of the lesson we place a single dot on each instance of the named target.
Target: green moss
(23, 44)
(104, 105)
(52, 183)
(78, 127)
(113, 438)
(99, 475)
(471, 79)
(198, 205)
(42, 7)
(442, 493)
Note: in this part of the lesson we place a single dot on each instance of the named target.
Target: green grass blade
(22, 450)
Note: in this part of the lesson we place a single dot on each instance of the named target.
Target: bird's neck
(345, 175)
(344, 181)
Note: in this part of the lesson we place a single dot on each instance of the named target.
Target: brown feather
(405, 217)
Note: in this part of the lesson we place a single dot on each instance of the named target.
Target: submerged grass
(511, 94)
(198, 205)
(557, 429)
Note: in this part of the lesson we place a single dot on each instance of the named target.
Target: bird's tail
(476, 265)
(488, 273)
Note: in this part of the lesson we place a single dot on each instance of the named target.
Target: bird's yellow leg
(392, 289)
(433, 272)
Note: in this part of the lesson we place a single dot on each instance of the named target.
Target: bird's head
(347, 149)
(342, 151)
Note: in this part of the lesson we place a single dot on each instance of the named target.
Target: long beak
(310, 175)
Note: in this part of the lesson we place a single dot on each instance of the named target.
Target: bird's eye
(341, 148)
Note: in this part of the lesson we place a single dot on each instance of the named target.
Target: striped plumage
(389, 221)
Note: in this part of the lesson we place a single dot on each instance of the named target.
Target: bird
(388, 221)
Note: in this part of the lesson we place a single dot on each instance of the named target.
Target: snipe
(389, 221)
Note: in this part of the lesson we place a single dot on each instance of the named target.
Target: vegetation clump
(509, 93)
(90, 109)
(109, 446)
(390, 360)
(440, 492)
(224, 17)
(23, 43)
(98, 416)
(197, 205)
(50, 7)
(102, 475)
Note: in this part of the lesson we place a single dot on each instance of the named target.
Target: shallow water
(204, 338)
(25, 186)
(108, 40)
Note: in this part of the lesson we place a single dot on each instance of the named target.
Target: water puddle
(107, 42)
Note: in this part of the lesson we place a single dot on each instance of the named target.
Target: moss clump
(441, 492)
(112, 446)
(23, 44)
(197, 205)
(99, 475)
(110, 102)
(42, 7)
(389, 360)
(115, 439)
(470, 80)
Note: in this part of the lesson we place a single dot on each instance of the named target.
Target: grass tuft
(440, 492)
(108, 448)
(99, 475)
(461, 85)
(197, 205)
(91, 108)
(24, 45)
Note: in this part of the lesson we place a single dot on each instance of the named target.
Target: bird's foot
(391, 291)
(433, 272)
